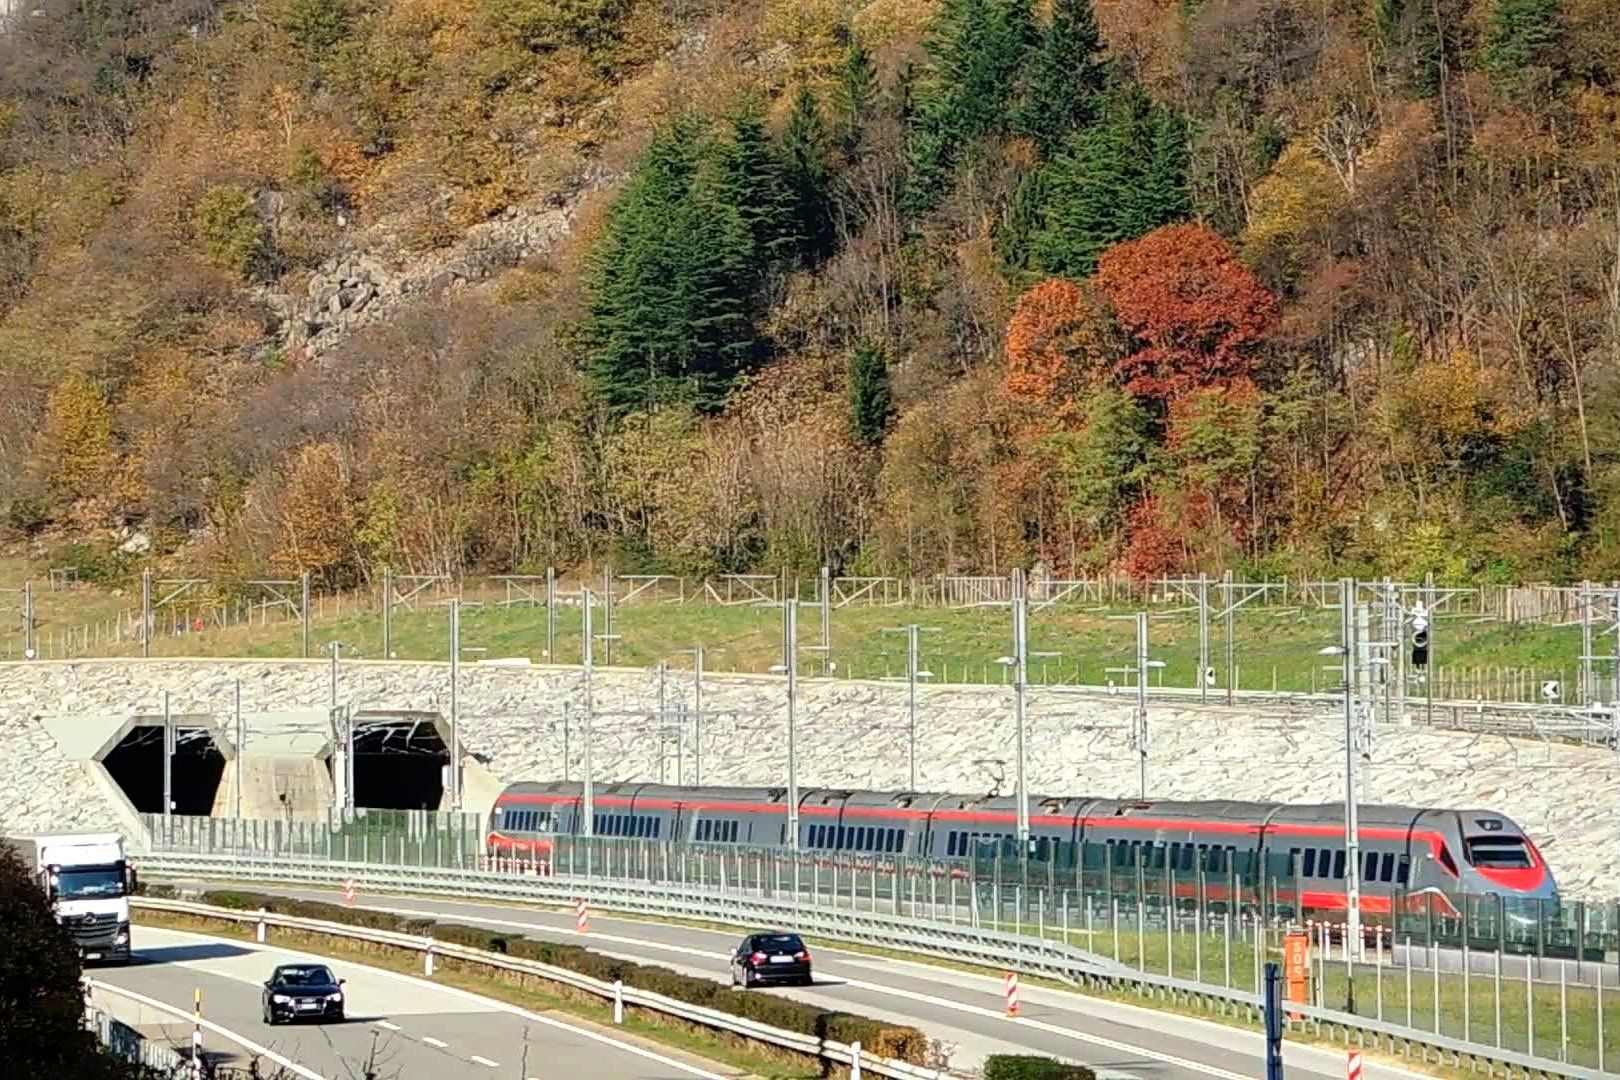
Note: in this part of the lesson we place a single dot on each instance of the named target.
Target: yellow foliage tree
(1300, 192)
(316, 515)
(74, 452)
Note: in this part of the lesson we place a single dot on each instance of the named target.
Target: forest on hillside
(902, 286)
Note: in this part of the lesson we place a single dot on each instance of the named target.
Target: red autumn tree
(1057, 341)
(1195, 315)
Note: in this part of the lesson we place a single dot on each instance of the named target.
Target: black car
(771, 957)
(303, 992)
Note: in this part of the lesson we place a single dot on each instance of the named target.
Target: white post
(855, 1061)
(618, 1002)
(455, 718)
(1352, 829)
(427, 961)
(196, 1035)
(790, 659)
(1020, 673)
(587, 662)
(260, 934)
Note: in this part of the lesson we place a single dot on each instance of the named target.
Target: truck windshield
(83, 884)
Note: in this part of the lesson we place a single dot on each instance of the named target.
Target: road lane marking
(386, 1026)
(486, 1061)
(487, 1004)
(208, 1025)
(431, 1041)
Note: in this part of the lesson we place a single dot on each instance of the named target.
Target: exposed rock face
(364, 286)
(851, 734)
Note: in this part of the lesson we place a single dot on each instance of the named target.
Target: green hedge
(876, 1037)
(1029, 1067)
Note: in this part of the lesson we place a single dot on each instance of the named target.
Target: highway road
(963, 1011)
(398, 1027)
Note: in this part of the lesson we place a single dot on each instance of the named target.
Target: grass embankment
(1274, 647)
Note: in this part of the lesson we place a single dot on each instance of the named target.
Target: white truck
(88, 883)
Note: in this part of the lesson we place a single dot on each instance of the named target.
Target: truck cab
(88, 882)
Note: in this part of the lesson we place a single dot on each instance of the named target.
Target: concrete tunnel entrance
(399, 763)
(136, 766)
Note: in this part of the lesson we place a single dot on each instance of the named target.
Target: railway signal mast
(1019, 663)
(1352, 845)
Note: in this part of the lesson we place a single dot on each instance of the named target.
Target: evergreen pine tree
(1522, 40)
(1123, 176)
(1065, 78)
(1014, 238)
(976, 49)
(751, 176)
(854, 96)
(673, 280)
(870, 402)
(808, 176)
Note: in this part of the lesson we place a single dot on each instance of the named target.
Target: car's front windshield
(89, 883)
(305, 976)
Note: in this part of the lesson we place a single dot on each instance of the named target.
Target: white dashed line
(386, 1026)
(431, 1041)
(486, 1061)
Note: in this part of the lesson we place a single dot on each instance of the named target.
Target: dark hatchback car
(771, 958)
(302, 992)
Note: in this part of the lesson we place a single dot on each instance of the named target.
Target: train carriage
(1215, 851)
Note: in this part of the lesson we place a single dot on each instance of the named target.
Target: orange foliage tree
(1196, 316)
(1056, 344)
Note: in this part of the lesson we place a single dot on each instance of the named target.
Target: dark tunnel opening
(399, 765)
(136, 766)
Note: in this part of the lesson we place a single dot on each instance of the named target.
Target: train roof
(1043, 808)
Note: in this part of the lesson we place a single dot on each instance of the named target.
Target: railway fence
(1090, 901)
(1536, 1013)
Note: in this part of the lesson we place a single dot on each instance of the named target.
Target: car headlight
(281, 999)
(335, 997)
(122, 938)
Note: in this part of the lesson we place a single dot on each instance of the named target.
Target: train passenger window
(1309, 869)
(1186, 857)
(658, 827)
(1369, 867)
(1386, 872)
(1338, 864)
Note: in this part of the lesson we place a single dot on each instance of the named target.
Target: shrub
(229, 229)
(1029, 1067)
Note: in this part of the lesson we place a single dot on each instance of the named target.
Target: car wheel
(339, 1017)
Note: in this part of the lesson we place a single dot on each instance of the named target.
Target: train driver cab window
(1498, 852)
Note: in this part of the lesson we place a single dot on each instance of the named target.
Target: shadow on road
(175, 954)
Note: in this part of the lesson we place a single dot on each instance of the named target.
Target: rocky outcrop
(517, 720)
(368, 283)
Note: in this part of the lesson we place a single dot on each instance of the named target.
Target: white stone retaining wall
(849, 734)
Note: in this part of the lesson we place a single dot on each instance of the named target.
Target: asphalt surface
(398, 1027)
(965, 1012)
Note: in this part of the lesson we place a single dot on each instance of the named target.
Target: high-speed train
(1408, 853)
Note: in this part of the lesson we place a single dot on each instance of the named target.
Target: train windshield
(1499, 852)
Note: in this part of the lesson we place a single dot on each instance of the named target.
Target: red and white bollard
(196, 1034)
(348, 893)
(1009, 990)
(1352, 1066)
(582, 916)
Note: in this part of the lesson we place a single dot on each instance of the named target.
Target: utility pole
(29, 652)
(1020, 665)
(241, 745)
(911, 699)
(1352, 825)
(790, 660)
(168, 765)
(388, 613)
(697, 715)
(1141, 702)
(587, 660)
(1231, 645)
(551, 615)
(826, 620)
(1203, 637)
(455, 715)
(146, 614)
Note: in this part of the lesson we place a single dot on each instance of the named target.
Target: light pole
(586, 659)
(1139, 723)
(696, 653)
(1019, 662)
(1352, 828)
(913, 633)
(455, 717)
(790, 667)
